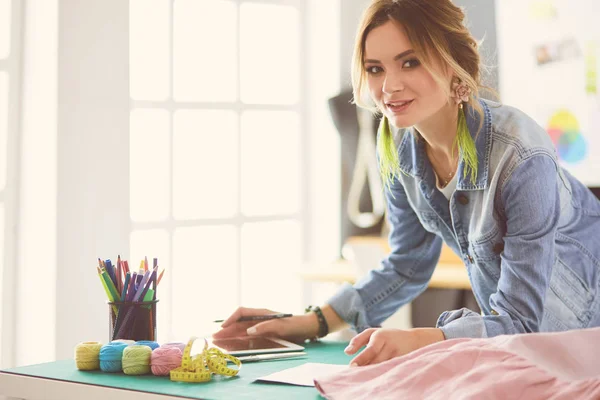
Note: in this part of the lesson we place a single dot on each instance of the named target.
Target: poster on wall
(548, 60)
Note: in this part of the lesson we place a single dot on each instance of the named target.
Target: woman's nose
(392, 83)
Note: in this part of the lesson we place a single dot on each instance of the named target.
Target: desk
(60, 380)
(450, 272)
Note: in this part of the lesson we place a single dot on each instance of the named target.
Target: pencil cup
(132, 320)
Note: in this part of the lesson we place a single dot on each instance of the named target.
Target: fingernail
(354, 364)
(251, 330)
(349, 348)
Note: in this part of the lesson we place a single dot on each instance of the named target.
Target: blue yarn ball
(149, 343)
(111, 356)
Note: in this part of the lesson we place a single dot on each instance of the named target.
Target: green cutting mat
(240, 387)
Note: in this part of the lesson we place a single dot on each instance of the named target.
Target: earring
(460, 92)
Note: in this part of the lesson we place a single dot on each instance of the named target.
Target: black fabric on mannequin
(345, 119)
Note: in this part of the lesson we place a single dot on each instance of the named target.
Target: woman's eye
(412, 63)
(374, 70)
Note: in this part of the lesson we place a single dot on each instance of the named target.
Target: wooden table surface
(450, 272)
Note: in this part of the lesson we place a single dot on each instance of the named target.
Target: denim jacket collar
(413, 159)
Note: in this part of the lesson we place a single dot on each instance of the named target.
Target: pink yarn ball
(165, 359)
(179, 345)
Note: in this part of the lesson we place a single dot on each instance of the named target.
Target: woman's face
(401, 87)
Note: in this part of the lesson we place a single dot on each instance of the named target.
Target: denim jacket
(527, 231)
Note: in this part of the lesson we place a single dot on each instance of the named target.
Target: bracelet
(323, 327)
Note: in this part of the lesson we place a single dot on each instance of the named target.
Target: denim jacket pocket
(488, 247)
(486, 250)
(568, 300)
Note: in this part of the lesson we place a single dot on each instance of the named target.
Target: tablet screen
(246, 343)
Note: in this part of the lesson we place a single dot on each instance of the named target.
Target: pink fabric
(563, 365)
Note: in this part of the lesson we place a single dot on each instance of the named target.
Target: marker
(266, 317)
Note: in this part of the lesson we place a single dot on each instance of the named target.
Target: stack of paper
(303, 375)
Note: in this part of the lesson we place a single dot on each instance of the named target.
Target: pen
(258, 317)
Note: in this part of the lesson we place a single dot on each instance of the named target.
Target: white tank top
(449, 188)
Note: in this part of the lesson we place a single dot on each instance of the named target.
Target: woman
(480, 176)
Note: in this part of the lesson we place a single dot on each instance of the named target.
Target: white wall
(35, 296)
(74, 194)
(93, 162)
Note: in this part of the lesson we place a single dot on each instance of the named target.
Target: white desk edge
(13, 387)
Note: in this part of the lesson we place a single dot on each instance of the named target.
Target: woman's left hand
(384, 344)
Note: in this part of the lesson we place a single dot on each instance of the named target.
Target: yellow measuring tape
(201, 367)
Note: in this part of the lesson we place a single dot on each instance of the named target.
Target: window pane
(270, 54)
(149, 49)
(270, 157)
(149, 165)
(154, 243)
(205, 164)
(271, 251)
(3, 127)
(5, 28)
(206, 278)
(205, 50)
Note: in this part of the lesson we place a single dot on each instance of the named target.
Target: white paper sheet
(304, 374)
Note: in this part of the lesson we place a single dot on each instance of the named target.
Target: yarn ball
(164, 359)
(136, 359)
(179, 345)
(153, 345)
(126, 341)
(87, 356)
(111, 357)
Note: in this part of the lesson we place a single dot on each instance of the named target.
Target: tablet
(246, 345)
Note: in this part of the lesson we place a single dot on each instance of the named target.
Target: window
(217, 155)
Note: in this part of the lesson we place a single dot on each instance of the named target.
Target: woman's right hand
(295, 329)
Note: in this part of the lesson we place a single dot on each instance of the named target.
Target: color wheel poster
(548, 60)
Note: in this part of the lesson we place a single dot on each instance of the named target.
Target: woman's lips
(398, 106)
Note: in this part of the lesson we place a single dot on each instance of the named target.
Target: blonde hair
(438, 35)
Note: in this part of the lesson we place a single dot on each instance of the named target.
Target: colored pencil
(160, 276)
(131, 289)
(108, 294)
(119, 283)
(139, 296)
(125, 286)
